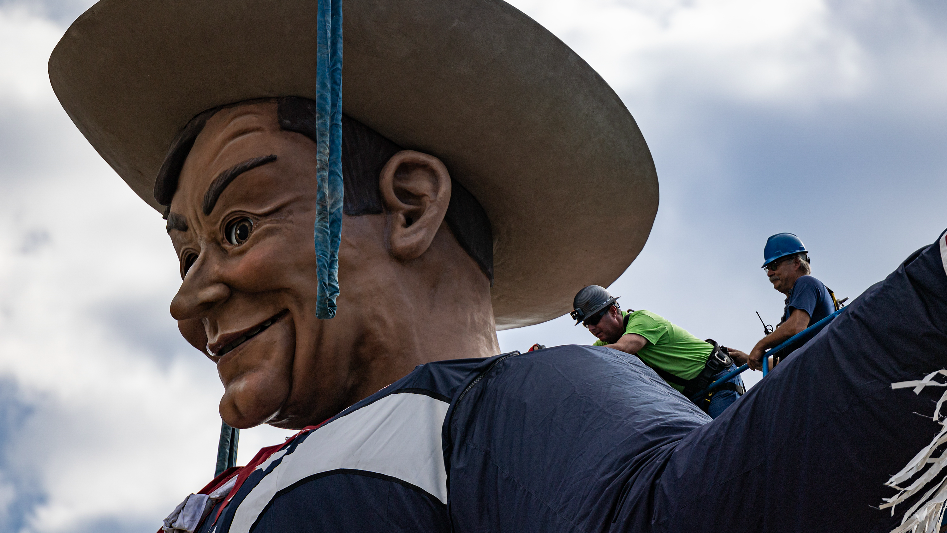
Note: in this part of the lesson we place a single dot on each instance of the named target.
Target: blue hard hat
(781, 245)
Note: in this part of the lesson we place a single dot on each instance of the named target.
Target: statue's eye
(238, 231)
(186, 262)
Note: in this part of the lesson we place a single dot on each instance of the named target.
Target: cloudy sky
(823, 118)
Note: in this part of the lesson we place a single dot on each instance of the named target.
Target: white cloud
(115, 431)
(711, 82)
(797, 55)
(112, 433)
(124, 426)
(769, 52)
(26, 41)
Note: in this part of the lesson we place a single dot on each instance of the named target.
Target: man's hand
(755, 358)
(739, 357)
(798, 320)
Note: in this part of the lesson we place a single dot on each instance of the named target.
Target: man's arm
(629, 343)
(798, 320)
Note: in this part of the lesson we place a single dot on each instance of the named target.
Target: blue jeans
(721, 399)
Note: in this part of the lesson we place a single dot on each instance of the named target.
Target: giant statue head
(481, 157)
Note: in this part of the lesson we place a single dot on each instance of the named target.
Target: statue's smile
(227, 342)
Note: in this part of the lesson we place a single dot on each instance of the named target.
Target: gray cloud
(858, 173)
(27, 493)
(880, 21)
(39, 143)
(114, 525)
(13, 410)
(146, 327)
(34, 240)
(63, 12)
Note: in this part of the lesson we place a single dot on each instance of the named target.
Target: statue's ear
(415, 188)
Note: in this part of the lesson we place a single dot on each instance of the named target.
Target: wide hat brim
(519, 119)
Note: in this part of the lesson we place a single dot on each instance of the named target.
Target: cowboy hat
(519, 119)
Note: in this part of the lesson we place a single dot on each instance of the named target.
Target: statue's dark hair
(364, 154)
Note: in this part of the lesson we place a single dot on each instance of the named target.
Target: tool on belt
(717, 362)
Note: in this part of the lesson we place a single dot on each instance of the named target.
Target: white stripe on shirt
(398, 436)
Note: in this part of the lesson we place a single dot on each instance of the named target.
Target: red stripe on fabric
(218, 481)
(260, 457)
(214, 484)
(243, 472)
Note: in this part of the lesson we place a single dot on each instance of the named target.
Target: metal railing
(779, 352)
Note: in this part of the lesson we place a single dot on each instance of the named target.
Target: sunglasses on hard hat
(595, 319)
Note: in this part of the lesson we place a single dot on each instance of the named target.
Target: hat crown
(591, 300)
(781, 245)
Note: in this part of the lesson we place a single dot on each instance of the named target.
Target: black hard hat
(589, 301)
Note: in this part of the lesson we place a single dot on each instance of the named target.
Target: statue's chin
(245, 405)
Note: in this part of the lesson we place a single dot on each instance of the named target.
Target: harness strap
(728, 386)
(671, 378)
(698, 382)
(835, 302)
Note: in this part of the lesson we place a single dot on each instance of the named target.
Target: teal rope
(329, 194)
(329, 188)
(226, 448)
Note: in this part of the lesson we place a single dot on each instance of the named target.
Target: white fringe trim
(926, 515)
(943, 250)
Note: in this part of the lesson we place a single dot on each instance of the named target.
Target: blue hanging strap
(329, 192)
(328, 227)
(226, 448)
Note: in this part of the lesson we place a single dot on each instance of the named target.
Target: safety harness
(717, 361)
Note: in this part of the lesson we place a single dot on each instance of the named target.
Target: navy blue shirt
(579, 439)
(810, 295)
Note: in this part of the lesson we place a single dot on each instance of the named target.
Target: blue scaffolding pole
(779, 352)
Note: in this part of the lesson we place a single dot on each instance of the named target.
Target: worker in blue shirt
(808, 301)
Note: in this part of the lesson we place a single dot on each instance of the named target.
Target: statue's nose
(201, 289)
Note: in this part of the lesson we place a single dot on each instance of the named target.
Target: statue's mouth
(241, 337)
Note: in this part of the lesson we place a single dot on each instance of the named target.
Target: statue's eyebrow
(176, 222)
(224, 178)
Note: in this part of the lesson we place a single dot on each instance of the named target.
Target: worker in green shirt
(687, 363)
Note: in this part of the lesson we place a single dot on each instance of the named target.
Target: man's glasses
(773, 265)
(595, 319)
